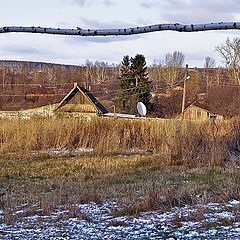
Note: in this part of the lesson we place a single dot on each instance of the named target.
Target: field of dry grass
(175, 142)
(144, 165)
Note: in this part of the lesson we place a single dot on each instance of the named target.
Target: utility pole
(186, 77)
(137, 80)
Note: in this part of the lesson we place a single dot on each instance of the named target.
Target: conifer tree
(140, 75)
(125, 84)
(134, 84)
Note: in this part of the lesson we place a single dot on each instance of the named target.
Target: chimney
(75, 84)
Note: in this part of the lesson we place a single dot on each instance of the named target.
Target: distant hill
(14, 63)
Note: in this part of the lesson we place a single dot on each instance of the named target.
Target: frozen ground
(92, 221)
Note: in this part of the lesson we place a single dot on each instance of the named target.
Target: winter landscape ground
(119, 179)
(92, 221)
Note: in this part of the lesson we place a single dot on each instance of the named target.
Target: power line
(101, 91)
(112, 92)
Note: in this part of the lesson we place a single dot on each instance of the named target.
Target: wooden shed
(80, 101)
(200, 113)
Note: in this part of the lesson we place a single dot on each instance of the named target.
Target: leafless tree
(173, 64)
(219, 75)
(101, 71)
(155, 72)
(230, 52)
(209, 64)
(88, 73)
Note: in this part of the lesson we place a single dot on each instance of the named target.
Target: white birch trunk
(125, 31)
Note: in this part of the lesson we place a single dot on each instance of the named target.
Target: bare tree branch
(209, 62)
(230, 52)
(125, 31)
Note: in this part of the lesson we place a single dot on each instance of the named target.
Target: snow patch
(99, 222)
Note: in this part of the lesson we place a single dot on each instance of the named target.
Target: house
(78, 102)
(174, 90)
(199, 112)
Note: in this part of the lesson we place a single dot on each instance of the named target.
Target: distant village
(40, 89)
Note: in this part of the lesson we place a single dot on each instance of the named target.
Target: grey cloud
(22, 50)
(108, 2)
(86, 3)
(92, 23)
(195, 10)
(197, 17)
(100, 40)
(148, 4)
(163, 5)
(220, 6)
(81, 3)
(196, 56)
(36, 53)
(86, 23)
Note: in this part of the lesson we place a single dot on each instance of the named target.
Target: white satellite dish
(142, 110)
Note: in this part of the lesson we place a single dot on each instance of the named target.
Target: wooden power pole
(186, 77)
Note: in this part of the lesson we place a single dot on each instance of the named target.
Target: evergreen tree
(139, 72)
(125, 84)
(134, 84)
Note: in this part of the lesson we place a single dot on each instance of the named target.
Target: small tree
(209, 64)
(173, 64)
(134, 84)
(230, 52)
(88, 73)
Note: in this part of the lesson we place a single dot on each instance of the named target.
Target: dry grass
(176, 142)
(183, 163)
(140, 182)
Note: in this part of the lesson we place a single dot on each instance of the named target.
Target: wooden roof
(202, 107)
(92, 102)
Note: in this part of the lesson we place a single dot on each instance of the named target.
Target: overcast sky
(113, 14)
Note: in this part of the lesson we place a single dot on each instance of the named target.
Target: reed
(174, 141)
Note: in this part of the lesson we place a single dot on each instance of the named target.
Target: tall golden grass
(175, 162)
(174, 141)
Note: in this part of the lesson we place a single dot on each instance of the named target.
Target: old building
(198, 112)
(78, 102)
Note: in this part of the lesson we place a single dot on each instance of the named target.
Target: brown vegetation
(26, 85)
(151, 164)
(175, 142)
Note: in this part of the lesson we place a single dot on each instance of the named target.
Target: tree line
(219, 85)
(24, 85)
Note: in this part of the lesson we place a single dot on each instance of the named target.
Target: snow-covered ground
(92, 221)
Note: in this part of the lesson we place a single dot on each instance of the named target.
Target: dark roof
(100, 108)
(203, 107)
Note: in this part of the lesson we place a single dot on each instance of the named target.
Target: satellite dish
(142, 110)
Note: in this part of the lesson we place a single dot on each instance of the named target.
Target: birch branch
(125, 31)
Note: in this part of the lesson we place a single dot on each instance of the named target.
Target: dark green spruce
(134, 84)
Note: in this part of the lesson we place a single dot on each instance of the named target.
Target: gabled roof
(76, 89)
(202, 107)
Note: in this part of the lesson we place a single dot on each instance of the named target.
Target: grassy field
(176, 142)
(143, 165)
